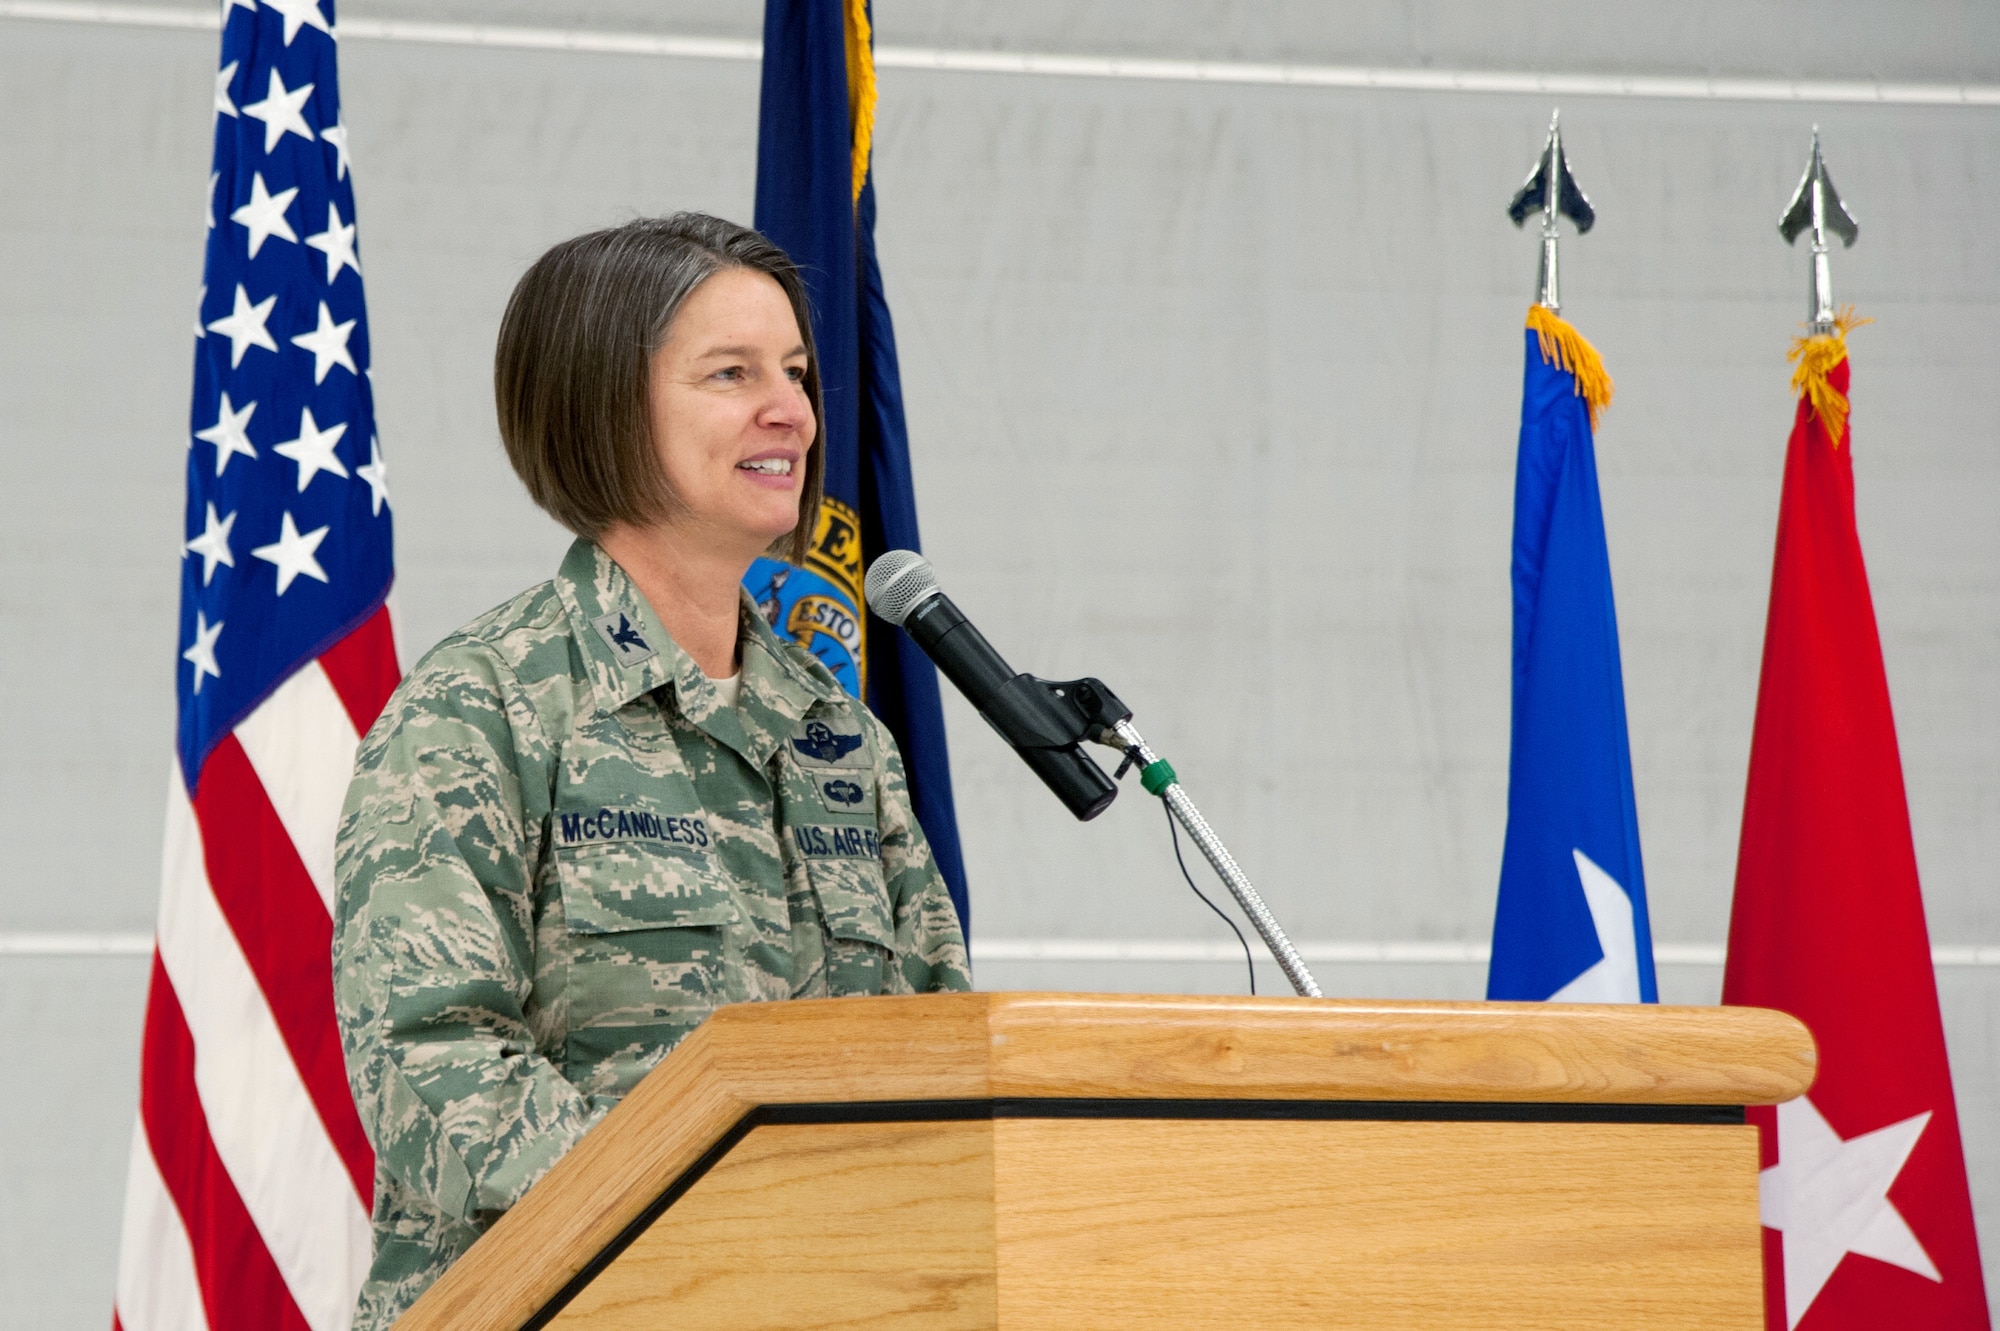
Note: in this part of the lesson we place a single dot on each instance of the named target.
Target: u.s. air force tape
(584, 827)
(818, 842)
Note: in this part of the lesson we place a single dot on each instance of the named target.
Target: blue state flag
(1571, 924)
(816, 199)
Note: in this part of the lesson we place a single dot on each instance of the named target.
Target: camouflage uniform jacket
(559, 854)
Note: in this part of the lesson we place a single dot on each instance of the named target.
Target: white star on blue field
(286, 544)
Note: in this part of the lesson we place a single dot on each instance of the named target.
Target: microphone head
(898, 582)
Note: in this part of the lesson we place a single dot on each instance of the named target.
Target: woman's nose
(787, 405)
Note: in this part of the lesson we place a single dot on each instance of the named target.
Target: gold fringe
(1813, 358)
(1564, 348)
(860, 89)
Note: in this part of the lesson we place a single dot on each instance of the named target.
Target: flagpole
(1548, 283)
(1816, 207)
(1551, 190)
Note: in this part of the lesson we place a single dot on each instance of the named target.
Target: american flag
(247, 1203)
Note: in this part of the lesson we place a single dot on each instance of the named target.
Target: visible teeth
(768, 466)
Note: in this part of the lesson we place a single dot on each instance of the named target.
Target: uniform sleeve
(433, 955)
(929, 943)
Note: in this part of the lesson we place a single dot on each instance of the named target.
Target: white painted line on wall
(123, 16)
(1054, 65)
(1176, 950)
(1391, 953)
(1406, 79)
(581, 40)
(1357, 953)
(75, 945)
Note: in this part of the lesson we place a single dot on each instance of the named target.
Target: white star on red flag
(1830, 1197)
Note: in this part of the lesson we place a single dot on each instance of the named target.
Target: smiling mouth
(767, 466)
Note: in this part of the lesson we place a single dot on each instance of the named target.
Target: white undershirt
(727, 690)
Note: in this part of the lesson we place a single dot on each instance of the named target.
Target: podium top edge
(984, 1045)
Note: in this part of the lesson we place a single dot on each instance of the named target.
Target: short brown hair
(571, 371)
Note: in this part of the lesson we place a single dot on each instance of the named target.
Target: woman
(618, 801)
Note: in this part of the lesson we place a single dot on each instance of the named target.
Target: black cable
(1175, 832)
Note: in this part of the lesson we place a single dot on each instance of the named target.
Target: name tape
(588, 827)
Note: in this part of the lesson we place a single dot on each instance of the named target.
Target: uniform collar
(625, 650)
(626, 653)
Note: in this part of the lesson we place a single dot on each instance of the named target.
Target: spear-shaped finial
(1816, 205)
(1551, 189)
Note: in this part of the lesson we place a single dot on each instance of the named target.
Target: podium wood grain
(981, 1047)
(1377, 1225)
(879, 1226)
(1067, 1224)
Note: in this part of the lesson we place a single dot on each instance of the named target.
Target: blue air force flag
(1571, 924)
(816, 199)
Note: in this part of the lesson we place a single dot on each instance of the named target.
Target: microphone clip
(1032, 713)
(1046, 721)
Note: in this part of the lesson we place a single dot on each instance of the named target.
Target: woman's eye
(730, 374)
(796, 373)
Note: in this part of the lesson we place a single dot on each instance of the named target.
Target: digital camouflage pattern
(559, 854)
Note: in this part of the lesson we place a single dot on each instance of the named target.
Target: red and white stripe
(251, 1180)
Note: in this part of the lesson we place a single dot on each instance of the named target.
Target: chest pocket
(828, 774)
(854, 904)
(648, 922)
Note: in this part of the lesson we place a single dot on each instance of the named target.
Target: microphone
(1044, 722)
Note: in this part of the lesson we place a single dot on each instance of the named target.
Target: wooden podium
(1080, 1161)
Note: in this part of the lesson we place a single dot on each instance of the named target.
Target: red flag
(1868, 1220)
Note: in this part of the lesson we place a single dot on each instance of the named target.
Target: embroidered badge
(821, 743)
(843, 796)
(623, 637)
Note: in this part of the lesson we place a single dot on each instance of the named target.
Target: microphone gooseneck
(1046, 721)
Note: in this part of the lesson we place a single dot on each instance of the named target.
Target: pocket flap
(855, 900)
(613, 887)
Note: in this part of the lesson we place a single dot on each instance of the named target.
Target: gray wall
(1212, 393)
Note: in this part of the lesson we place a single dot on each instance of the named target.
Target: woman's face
(730, 417)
